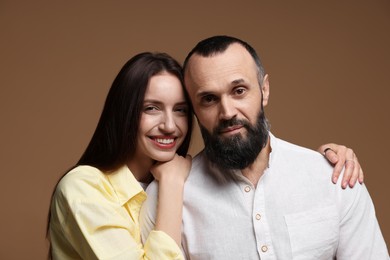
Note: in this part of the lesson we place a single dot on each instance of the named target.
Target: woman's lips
(164, 142)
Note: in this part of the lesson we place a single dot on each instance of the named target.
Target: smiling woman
(164, 120)
(143, 134)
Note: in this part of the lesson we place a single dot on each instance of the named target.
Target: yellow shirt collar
(126, 185)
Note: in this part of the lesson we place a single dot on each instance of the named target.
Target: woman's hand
(176, 169)
(340, 156)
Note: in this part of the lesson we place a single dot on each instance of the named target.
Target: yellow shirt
(95, 216)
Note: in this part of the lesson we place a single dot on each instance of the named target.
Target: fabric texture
(295, 212)
(95, 216)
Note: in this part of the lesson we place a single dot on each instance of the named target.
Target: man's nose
(227, 109)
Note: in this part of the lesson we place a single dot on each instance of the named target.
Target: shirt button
(258, 216)
(247, 188)
(264, 249)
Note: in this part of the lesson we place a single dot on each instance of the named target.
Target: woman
(95, 207)
(143, 133)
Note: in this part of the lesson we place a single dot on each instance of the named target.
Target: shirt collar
(125, 184)
(274, 145)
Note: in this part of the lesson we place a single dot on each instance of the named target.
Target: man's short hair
(218, 44)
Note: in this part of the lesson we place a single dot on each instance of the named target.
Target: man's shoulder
(302, 161)
(293, 150)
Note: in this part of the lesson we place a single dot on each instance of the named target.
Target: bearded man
(251, 195)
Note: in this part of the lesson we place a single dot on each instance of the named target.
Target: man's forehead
(234, 59)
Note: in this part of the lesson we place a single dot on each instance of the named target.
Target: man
(251, 195)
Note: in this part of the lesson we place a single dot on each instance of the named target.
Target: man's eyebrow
(204, 93)
(238, 81)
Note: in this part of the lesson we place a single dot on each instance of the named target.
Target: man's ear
(265, 90)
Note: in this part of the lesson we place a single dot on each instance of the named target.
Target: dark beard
(236, 152)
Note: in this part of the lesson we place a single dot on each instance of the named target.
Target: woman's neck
(141, 169)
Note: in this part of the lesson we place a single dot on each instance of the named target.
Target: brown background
(328, 61)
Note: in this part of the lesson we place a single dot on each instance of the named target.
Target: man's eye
(240, 91)
(208, 99)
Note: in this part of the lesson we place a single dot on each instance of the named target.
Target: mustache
(231, 122)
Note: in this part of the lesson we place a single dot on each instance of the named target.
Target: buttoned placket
(260, 223)
(255, 204)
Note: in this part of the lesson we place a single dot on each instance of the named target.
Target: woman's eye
(151, 108)
(183, 110)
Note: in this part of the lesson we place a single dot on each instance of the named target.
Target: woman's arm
(171, 177)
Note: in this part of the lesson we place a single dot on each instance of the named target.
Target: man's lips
(231, 129)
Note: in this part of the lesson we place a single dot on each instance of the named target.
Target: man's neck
(254, 171)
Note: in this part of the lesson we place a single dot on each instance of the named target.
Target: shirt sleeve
(159, 239)
(99, 228)
(360, 235)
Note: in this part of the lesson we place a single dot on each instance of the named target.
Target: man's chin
(230, 136)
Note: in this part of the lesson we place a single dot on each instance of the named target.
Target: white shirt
(295, 212)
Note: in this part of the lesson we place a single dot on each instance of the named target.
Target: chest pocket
(313, 234)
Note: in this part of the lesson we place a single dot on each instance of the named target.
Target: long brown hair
(114, 140)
